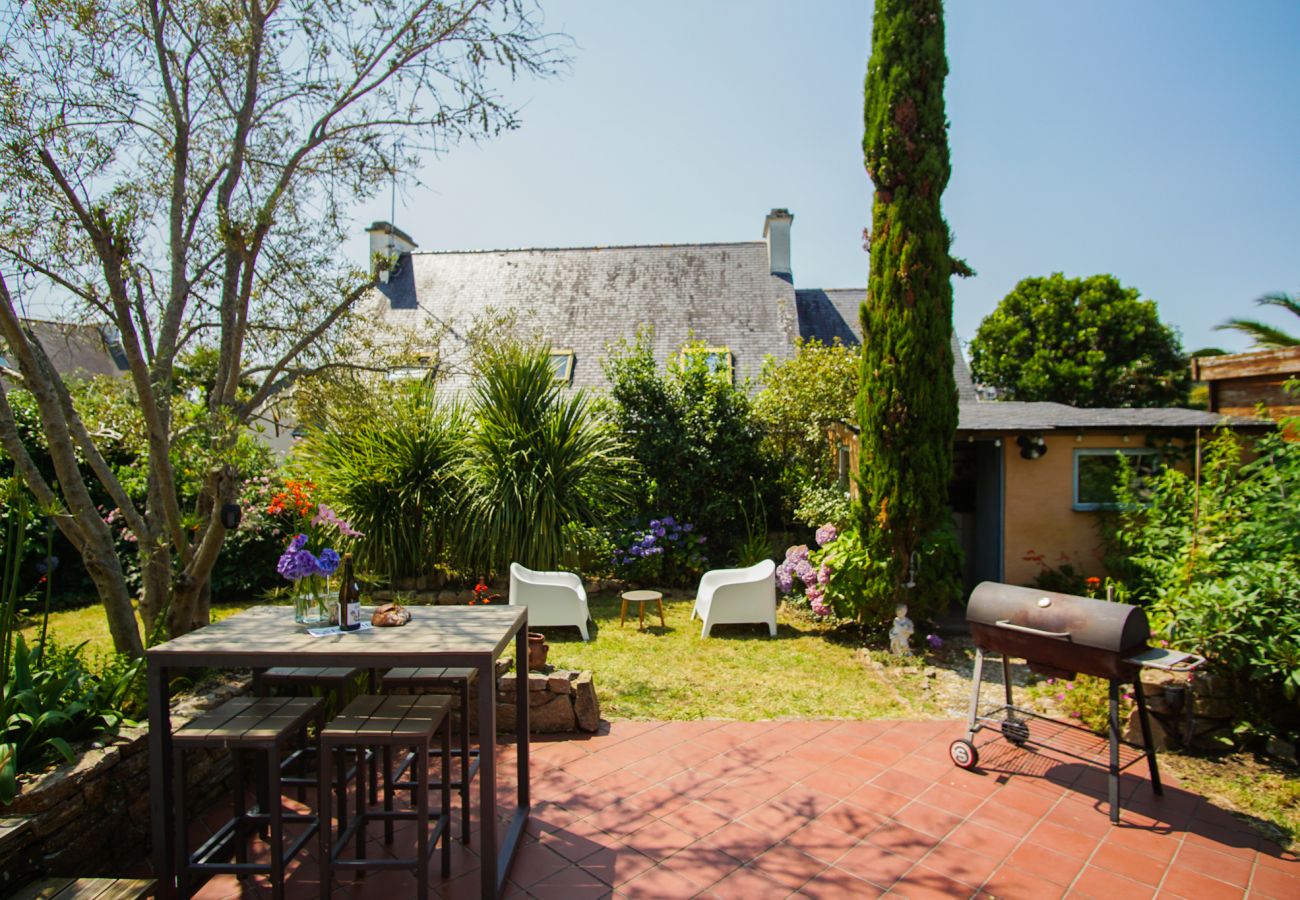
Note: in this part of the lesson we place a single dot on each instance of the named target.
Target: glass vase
(311, 597)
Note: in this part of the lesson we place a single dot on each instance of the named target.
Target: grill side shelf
(1169, 660)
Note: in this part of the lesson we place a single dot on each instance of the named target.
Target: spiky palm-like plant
(1265, 336)
(537, 460)
(393, 477)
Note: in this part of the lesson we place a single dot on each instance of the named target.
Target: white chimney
(388, 241)
(776, 230)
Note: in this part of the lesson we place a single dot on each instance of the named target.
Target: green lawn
(737, 673)
(87, 624)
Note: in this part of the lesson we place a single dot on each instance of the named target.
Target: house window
(562, 365)
(1096, 471)
(718, 359)
(842, 466)
(425, 367)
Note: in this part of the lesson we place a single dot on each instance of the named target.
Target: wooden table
(265, 636)
(641, 598)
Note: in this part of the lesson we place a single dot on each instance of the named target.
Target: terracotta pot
(537, 650)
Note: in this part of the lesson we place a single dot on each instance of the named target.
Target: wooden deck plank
(86, 889)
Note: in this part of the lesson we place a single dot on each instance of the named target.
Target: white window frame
(1108, 452)
(726, 360)
(563, 375)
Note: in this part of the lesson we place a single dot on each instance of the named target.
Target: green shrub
(49, 699)
(1085, 699)
(1218, 566)
(692, 431)
(801, 399)
(854, 588)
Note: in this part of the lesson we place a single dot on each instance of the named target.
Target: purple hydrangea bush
(666, 550)
(801, 579)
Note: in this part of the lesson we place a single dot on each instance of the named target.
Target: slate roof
(830, 315)
(584, 298)
(82, 350)
(1016, 415)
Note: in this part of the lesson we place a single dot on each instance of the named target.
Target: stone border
(91, 817)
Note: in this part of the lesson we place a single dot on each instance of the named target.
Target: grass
(87, 625)
(669, 672)
(1263, 790)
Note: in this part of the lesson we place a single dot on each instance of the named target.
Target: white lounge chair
(552, 598)
(737, 595)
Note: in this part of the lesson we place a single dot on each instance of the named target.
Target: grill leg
(1146, 739)
(1006, 678)
(1113, 779)
(976, 677)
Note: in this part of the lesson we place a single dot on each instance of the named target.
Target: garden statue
(900, 635)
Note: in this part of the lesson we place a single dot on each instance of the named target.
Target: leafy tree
(802, 397)
(907, 405)
(693, 432)
(1088, 342)
(1265, 336)
(186, 171)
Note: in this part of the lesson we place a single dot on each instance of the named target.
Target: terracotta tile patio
(838, 809)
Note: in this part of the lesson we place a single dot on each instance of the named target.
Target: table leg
(487, 769)
(662, 623)
(640, 616)
(622, 617)
(160, 779)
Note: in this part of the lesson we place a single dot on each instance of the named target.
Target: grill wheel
(963, 754)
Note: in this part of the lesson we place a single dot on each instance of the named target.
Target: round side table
(641, 598)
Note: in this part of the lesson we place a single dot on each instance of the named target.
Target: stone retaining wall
(92, 817)
(1196, 711)
(558, 702)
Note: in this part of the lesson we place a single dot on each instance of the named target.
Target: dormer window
(562, 365)
(718, 359)
(425, 367)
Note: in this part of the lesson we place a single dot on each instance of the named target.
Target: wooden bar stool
(337, 684)
(265, 726)
(387, 722)
(432, 678)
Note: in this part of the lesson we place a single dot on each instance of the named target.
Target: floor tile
(822, 809)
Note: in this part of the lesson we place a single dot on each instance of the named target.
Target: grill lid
(1054, 618)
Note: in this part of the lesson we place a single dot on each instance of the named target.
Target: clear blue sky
(1155, 140)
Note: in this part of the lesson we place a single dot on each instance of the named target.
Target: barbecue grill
(1062, 635)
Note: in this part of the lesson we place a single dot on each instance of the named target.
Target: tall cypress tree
(907, 405)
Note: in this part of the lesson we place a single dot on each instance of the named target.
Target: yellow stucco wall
(1041, 527)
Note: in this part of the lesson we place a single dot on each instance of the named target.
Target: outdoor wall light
(231, 513)
(1031, 446)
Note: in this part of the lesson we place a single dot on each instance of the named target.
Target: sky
(1158, 141)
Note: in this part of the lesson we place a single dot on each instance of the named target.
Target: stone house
(1025, 477)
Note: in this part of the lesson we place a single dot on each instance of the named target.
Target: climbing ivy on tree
(1088, 342)
(907, 404)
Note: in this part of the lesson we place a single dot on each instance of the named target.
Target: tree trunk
(105, 569)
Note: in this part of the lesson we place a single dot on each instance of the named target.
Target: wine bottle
(349, 598)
